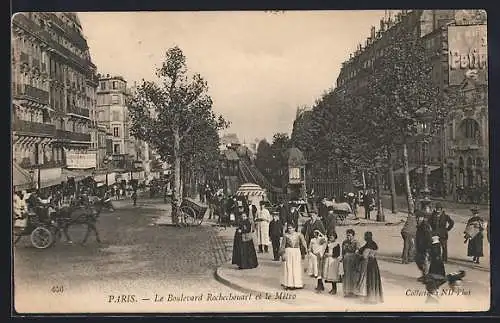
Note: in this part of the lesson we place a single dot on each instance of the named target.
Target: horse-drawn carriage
(192, 212)
(41, 229)
(45, 225)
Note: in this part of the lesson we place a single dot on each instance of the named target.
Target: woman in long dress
(292, 258)
(369, 284)
(331, 269)
(474, 235)
(350, 248)
(244, 254)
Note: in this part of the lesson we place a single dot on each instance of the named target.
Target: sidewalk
(397, 280)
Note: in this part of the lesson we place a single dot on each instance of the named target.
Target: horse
(71, 215)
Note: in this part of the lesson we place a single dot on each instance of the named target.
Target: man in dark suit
(330, 222)
(283, 213)
(275, 233)
(293, 217)
(314, 223)
(367, 202)
(441, 223)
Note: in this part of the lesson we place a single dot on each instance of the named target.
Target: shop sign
(468, 54)
(81, 160)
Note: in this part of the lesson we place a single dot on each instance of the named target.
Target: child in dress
(317, 248)
(331, 266)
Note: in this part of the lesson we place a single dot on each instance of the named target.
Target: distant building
(113, 114)
(458, 155)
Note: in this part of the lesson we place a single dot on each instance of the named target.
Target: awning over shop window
(21, 179)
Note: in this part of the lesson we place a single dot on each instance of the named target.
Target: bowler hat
(439, 205)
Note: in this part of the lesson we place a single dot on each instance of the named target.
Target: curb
(392, 258)
(230, 284)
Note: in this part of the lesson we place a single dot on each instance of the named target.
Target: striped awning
(21, 179)
(250, 189)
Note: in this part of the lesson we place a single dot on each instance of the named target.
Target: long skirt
(350, 280)
(314, 265)
(331, 272)
(292, 268)
(373, 282)
(236, 259)
(475, 246)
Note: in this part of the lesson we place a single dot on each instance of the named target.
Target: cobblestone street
(135, 258)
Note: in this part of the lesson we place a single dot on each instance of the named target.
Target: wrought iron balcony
(31, 93)
(467, 143)
(79, 111)
(27, 164)
(72, 136)
(34, 128)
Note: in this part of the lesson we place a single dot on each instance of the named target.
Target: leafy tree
(175, 116)
(401, 93)
(264, 158)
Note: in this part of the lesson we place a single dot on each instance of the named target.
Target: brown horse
(71, 215)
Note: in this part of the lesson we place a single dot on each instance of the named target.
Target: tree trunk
(177, 176)
(392, 183)
(380, 209)
(409, 197)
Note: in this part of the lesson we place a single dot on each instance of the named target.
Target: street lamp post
(380, 210)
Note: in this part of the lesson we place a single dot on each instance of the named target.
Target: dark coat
(275, 229)
(441, 224)
(283, 214)
(330, 223)
(309, 228)
(423, 238)
(293, 218)
(322, 210)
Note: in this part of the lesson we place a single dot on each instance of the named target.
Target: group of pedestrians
(419, 230)
(315, 245)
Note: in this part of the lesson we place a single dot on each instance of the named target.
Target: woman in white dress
(292, 258)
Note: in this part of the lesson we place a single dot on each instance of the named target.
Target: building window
(115, 116)
(114, 85)
(116, 148)
(116, 131)
(103, 85)
(114, 99)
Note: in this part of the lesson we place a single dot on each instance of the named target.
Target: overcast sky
(259, 66)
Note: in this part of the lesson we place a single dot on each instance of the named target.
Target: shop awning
(21, 179)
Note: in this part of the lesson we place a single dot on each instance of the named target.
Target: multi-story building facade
(113, 115)
(53, 94)
(458, 154)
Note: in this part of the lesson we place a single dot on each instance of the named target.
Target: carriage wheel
(188, 215)
(42, 238)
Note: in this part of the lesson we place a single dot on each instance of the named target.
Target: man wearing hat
(474, 235)
(423, 239)
(314, 223)
(441, 223)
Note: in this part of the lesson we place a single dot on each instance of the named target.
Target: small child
(316, 250)
(331, 266)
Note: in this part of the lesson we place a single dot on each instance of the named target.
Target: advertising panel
(468, 54)
(81, 160)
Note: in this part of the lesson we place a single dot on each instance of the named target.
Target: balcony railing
(72, 136)
(31, 92)
(34, 128)
(27, 164)
(79, 111)
(467, 143)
